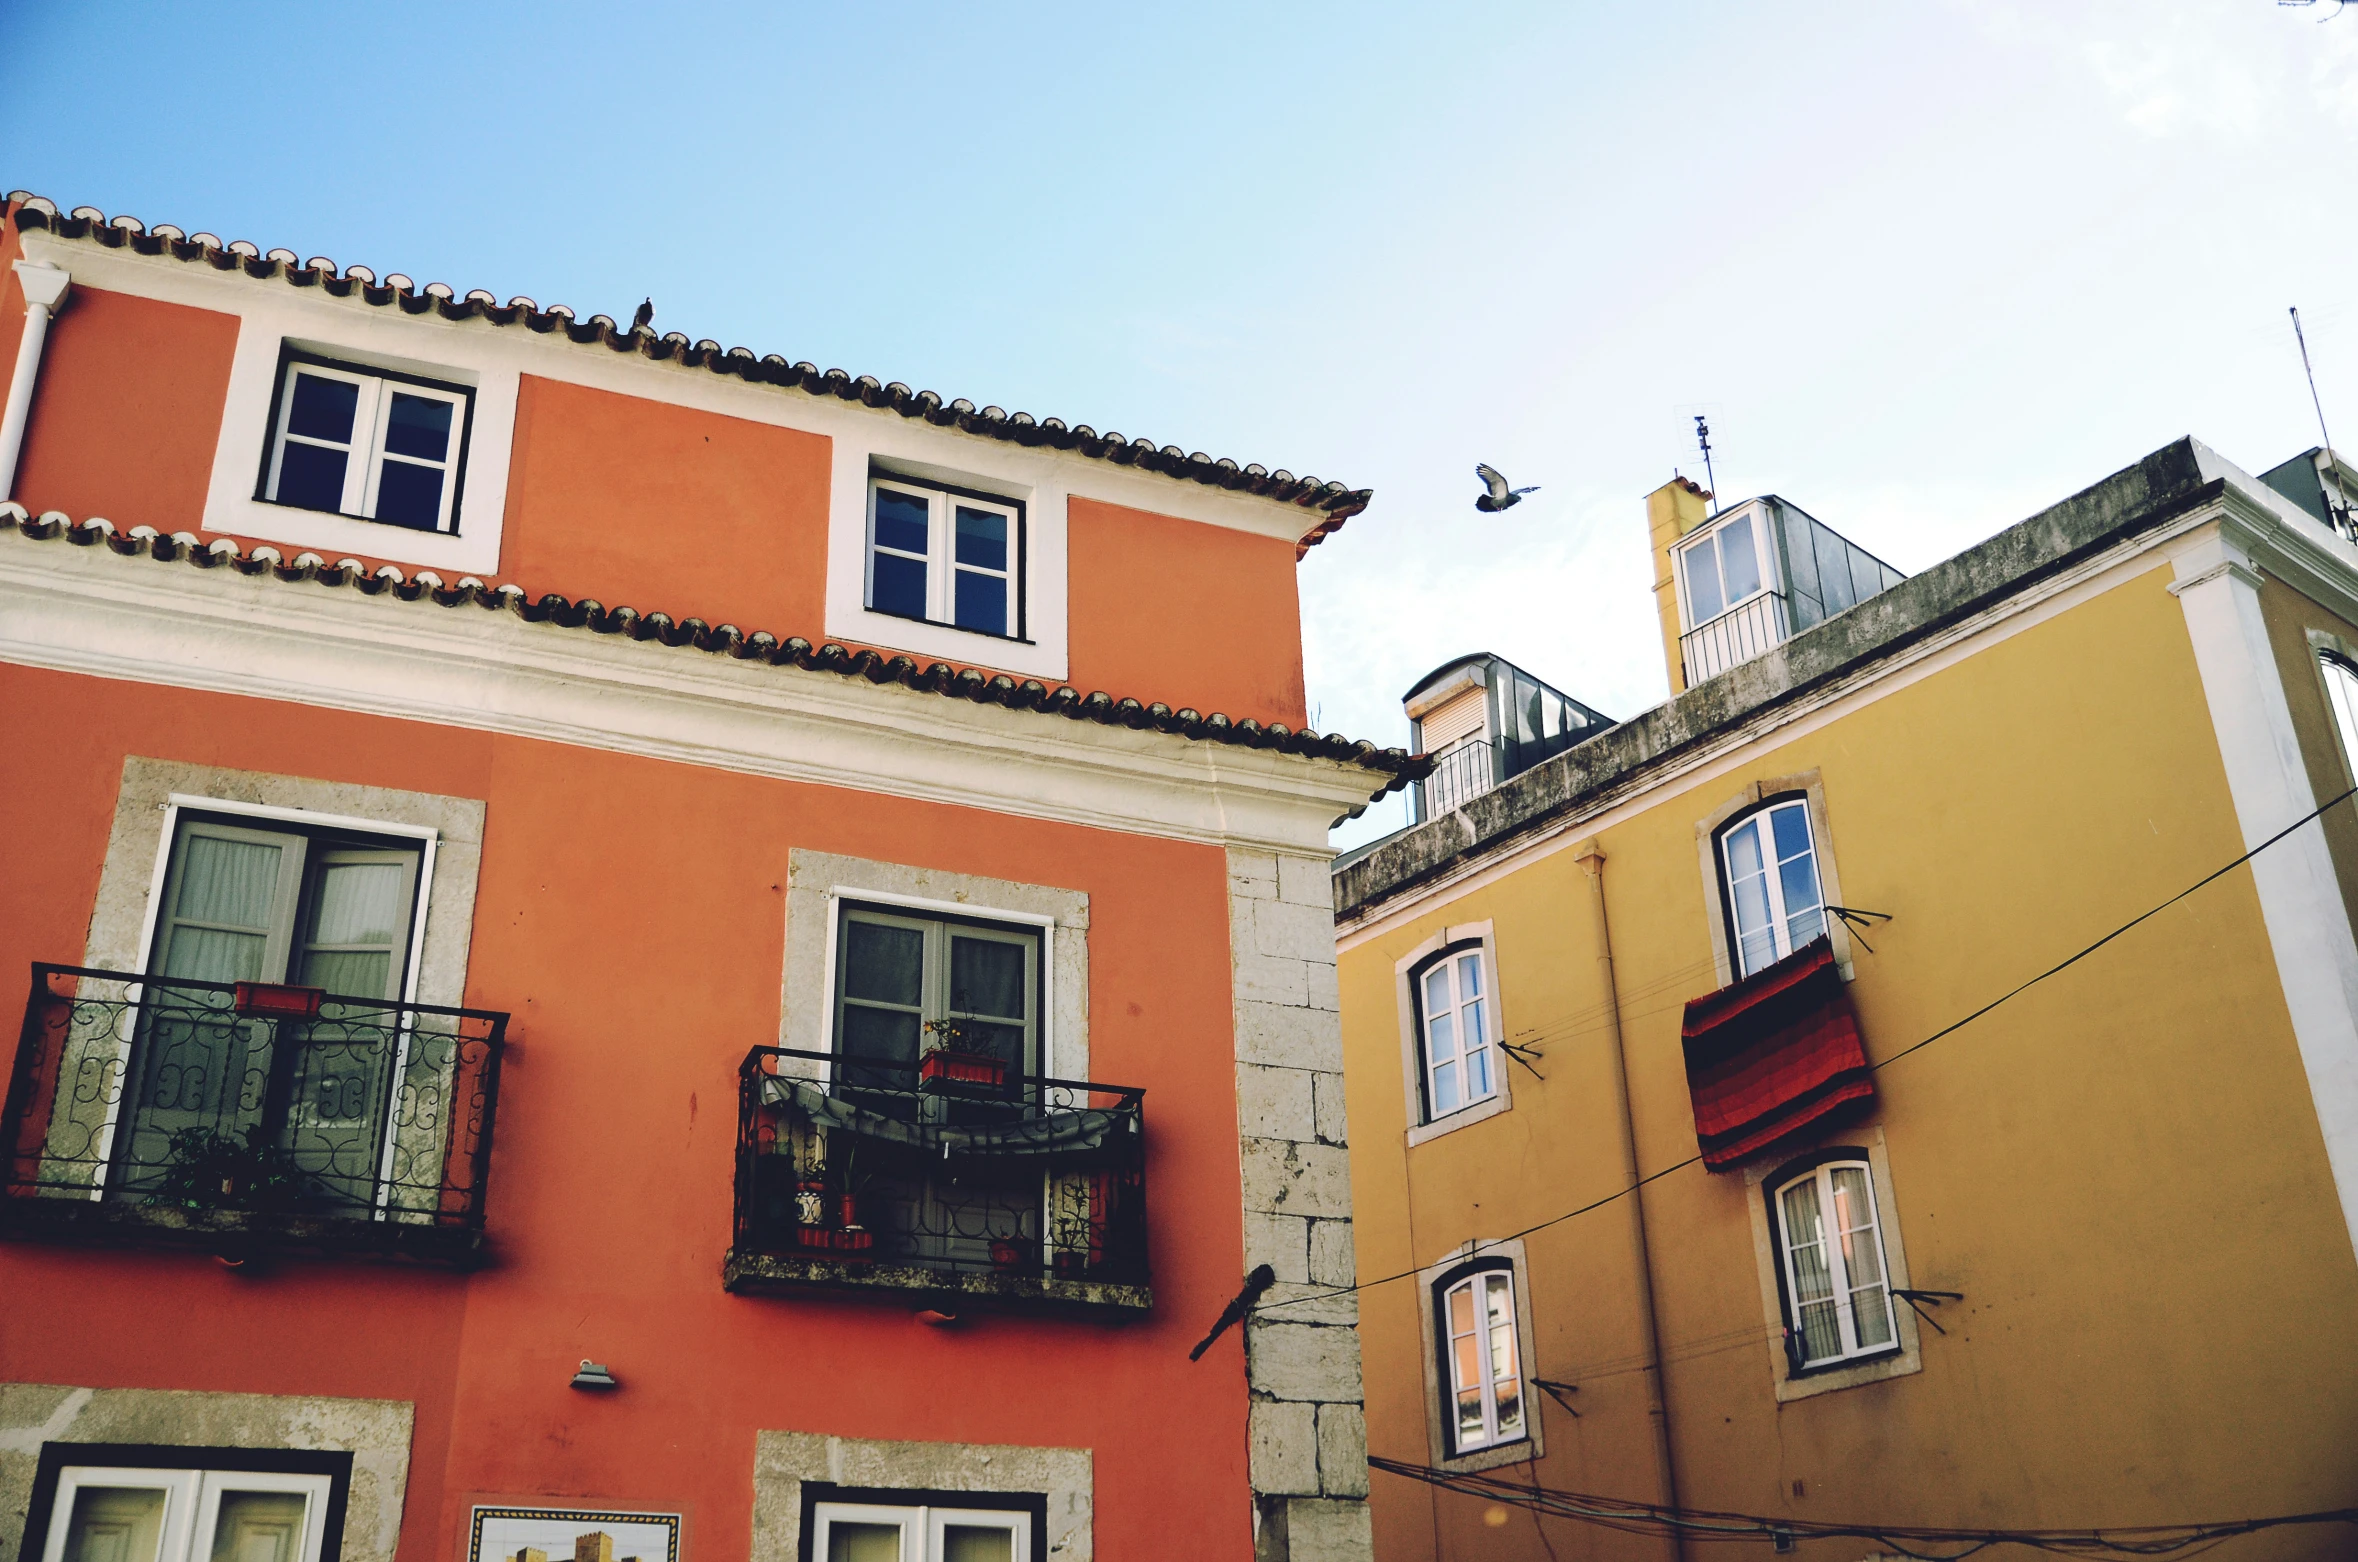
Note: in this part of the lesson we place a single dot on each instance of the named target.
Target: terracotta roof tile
(1395, 767)
(1331, 504)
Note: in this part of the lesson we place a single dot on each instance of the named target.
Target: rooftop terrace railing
(951, 1177)
(158, 1110)
(1747, 630)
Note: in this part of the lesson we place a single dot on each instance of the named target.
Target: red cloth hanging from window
(1772, 1054)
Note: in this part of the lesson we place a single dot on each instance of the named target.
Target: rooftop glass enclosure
(1759, 573)
(1485, 720)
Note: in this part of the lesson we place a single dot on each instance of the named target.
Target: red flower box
(946, 1067)
(855, 1240)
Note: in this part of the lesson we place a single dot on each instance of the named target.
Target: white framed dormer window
(1458, 1028)
(946, 556)
(918, 1532)
(368, 443)
(107, 1513)
(1482, 1359)
(1772, 891)
(1836, 1285)
(1722, 569)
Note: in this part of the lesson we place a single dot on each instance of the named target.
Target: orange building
(575, 903)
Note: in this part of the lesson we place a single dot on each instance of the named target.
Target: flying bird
(1500, 497)
(644, 318)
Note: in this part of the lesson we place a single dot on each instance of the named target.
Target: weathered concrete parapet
(1308, 1429)
(376, 1432)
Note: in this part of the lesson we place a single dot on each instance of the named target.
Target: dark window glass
(900, 586)
(312, 476)
(982, 601)
(982, 539)
(883, 964)
(323, 409)
(418, 426)
(408, 495)
(901, 524)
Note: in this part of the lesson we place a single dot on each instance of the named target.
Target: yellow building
(2120, 1203)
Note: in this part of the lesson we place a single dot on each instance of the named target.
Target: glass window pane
(1477, 1074)
(259, 1526)
(1461, 1309)
(1798, 878)
(1744, 860)
(982, 539)
(323, 408)
(410, 495)
(982, 602)
(418, 426)
(350, 973)
(2341, 689)
(1477, 1030)
(1438, 999)
(974, 1543)
(1445, 1097)
(986, 977)
(115, 1524)
(883, 962)
(235, 882)
(1739, 559)
(311, 477)
(900, 586)
(359, 903)
(1805, 1240)
(1469, 1415)
(1790, 827)
(1441, 1038)
(863, 1542)
(1704, 599)
(884, 1035)
(203, 954)
(901, 521)
(1469, 975)
(1821, 1332)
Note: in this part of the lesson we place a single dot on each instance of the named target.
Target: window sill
(1422, 1133)
(1827, 1379)
(766, 1274)
(237, 1234)
(365, 520)
(956, 629)
(1521, 1451)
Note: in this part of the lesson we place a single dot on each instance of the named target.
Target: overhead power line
(1645, 1518)
(1947, 1030)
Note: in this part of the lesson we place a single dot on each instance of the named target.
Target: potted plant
(948, 1062)
(1013, 1253)
(211, 1170)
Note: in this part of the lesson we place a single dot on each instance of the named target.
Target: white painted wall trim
(87, 611)
(2300, 896)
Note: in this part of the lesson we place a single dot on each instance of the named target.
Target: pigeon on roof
(644, 318)
(1500, 497)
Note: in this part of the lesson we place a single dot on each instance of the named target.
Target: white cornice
(88, 611)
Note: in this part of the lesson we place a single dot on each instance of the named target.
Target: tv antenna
(2342, 520)
(1703, 438)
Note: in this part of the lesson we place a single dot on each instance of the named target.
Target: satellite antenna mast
(2340, 512)
(1703, 438)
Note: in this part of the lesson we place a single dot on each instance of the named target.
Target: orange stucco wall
(1185, 613)
(630, 918)
(129, 401)
(667, 509)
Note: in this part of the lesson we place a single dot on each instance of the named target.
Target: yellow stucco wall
(2121, 1168)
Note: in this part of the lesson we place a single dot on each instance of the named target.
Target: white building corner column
(2300, 897)
(1308, 1427)
(45, 289)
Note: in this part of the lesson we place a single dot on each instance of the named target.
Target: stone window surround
(1526, 1449)
(1810, 784)
(1910, 1357)
(1412, 1042)
(153, 792)
(817, 882)
(375, 1432)
(783, 1462)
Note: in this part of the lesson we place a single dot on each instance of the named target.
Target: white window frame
(922, 1527)
(1830, 1235)
(192, 1505)
(1455, 962)
(2341, 697)
(1407, 975)
(1480, 1284)
(941, 554)
(370, 422)
(1780, 934)
(1708, 537)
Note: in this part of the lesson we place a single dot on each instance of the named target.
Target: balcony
(247, 1120)
(1743, 632)
(1461, 772)
(947, 1184)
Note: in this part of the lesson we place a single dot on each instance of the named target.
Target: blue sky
(1928, 266)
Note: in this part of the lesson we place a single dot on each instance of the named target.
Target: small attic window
(371, 443)
(946, 556)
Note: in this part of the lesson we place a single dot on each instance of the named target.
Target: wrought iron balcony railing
(1751, 627)
(239, 1115)
(1461, 772)
(950, 1178)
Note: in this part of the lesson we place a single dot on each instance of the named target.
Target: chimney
(1672, 511)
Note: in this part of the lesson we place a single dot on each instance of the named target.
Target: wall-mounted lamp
(593, 1374)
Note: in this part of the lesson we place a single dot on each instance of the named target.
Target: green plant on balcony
(209, 1170)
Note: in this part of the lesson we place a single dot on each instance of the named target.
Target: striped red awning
(1772, 1055)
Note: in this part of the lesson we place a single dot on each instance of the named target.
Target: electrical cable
(1946, 1030)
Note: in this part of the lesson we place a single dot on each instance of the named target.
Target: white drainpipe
(45, 289)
